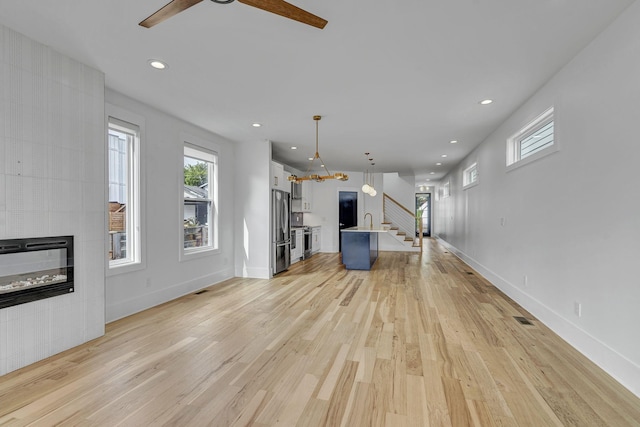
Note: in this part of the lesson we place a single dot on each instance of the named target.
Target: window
(470, 176)
(124, 193)
(532, 142)
(199, 207)
(446, 190)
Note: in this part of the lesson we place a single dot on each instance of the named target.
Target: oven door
(307, 244)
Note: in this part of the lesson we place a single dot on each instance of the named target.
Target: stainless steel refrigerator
(280, 235)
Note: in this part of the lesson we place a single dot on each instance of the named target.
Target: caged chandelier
(313, 176)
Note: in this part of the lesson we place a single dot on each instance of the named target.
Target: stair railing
(393, 212)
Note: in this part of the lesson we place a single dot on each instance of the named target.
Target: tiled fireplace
(52, 184)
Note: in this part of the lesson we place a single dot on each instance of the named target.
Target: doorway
(348, 212)
(423, 208)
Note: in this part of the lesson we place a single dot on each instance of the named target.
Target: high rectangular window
(446, 189)
(470, 176)
(124, 193)
(535, 140)
(199, 207)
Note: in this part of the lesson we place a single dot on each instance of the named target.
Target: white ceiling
(397, 79)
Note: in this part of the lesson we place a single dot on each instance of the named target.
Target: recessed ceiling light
(428, 180)
(486, 101)
(453, 141)
(157, 64)
(294, 148)
(432, 173)
(256, 125)
(444, 155)
(310, 158)
(438, 164)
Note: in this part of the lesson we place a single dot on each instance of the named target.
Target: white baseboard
(254, 273)
(615, 364)
(131, 306)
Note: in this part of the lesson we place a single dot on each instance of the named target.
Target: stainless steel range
(307, 242)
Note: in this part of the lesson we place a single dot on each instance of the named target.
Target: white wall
(325, 207)
(253, 209)
(572, 222)
(402, 188)
(52, 183)
(163, 276)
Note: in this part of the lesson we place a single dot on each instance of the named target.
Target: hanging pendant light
(366, 188)
(373, 191)
(315, 177)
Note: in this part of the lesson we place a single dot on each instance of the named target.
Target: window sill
(534, 157)
(123, 268)
(468, 186)
(197, 253)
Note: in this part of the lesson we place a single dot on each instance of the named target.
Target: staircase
(400, 222)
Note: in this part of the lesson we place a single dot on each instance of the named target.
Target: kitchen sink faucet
(370, 219)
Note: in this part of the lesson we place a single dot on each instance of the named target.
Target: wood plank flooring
(421, 340)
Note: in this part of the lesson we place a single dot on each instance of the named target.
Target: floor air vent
(201, 292)
(523, 320)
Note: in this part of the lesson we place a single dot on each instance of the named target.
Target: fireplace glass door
(36, 268)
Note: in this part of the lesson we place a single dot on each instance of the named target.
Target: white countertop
(364, 230)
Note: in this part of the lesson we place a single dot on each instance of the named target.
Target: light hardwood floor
(421, 340)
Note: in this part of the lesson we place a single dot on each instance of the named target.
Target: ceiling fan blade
(167, 11)
(282, 8)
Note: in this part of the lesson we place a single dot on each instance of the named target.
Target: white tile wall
(52, 182)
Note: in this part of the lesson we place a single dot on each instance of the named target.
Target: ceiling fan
(279, 7)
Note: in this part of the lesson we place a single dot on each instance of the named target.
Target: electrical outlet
(503, 221)
(525, 280)
(577, 308)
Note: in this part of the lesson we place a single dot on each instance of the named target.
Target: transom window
(470, 176)
(446, 189)
(199, 207)
(535, 140)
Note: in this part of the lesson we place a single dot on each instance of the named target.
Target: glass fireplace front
(35, 268)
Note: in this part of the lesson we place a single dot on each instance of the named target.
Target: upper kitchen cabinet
(279, 179)
(303, 204)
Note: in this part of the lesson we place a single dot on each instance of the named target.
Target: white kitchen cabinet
(307, 196)
(303, 204)
(315, 239)
(278, 180)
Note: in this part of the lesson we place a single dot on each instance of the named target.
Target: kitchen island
(360, 247)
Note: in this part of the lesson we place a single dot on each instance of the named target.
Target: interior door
(348, 212)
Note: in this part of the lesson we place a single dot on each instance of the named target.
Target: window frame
(196, 149)
(117, 117)
(513, 158)
(446, 189)
(467, 176)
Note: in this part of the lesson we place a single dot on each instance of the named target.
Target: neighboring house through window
(199, 207)
(124, 193)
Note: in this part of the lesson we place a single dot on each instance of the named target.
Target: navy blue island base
(359, 249)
